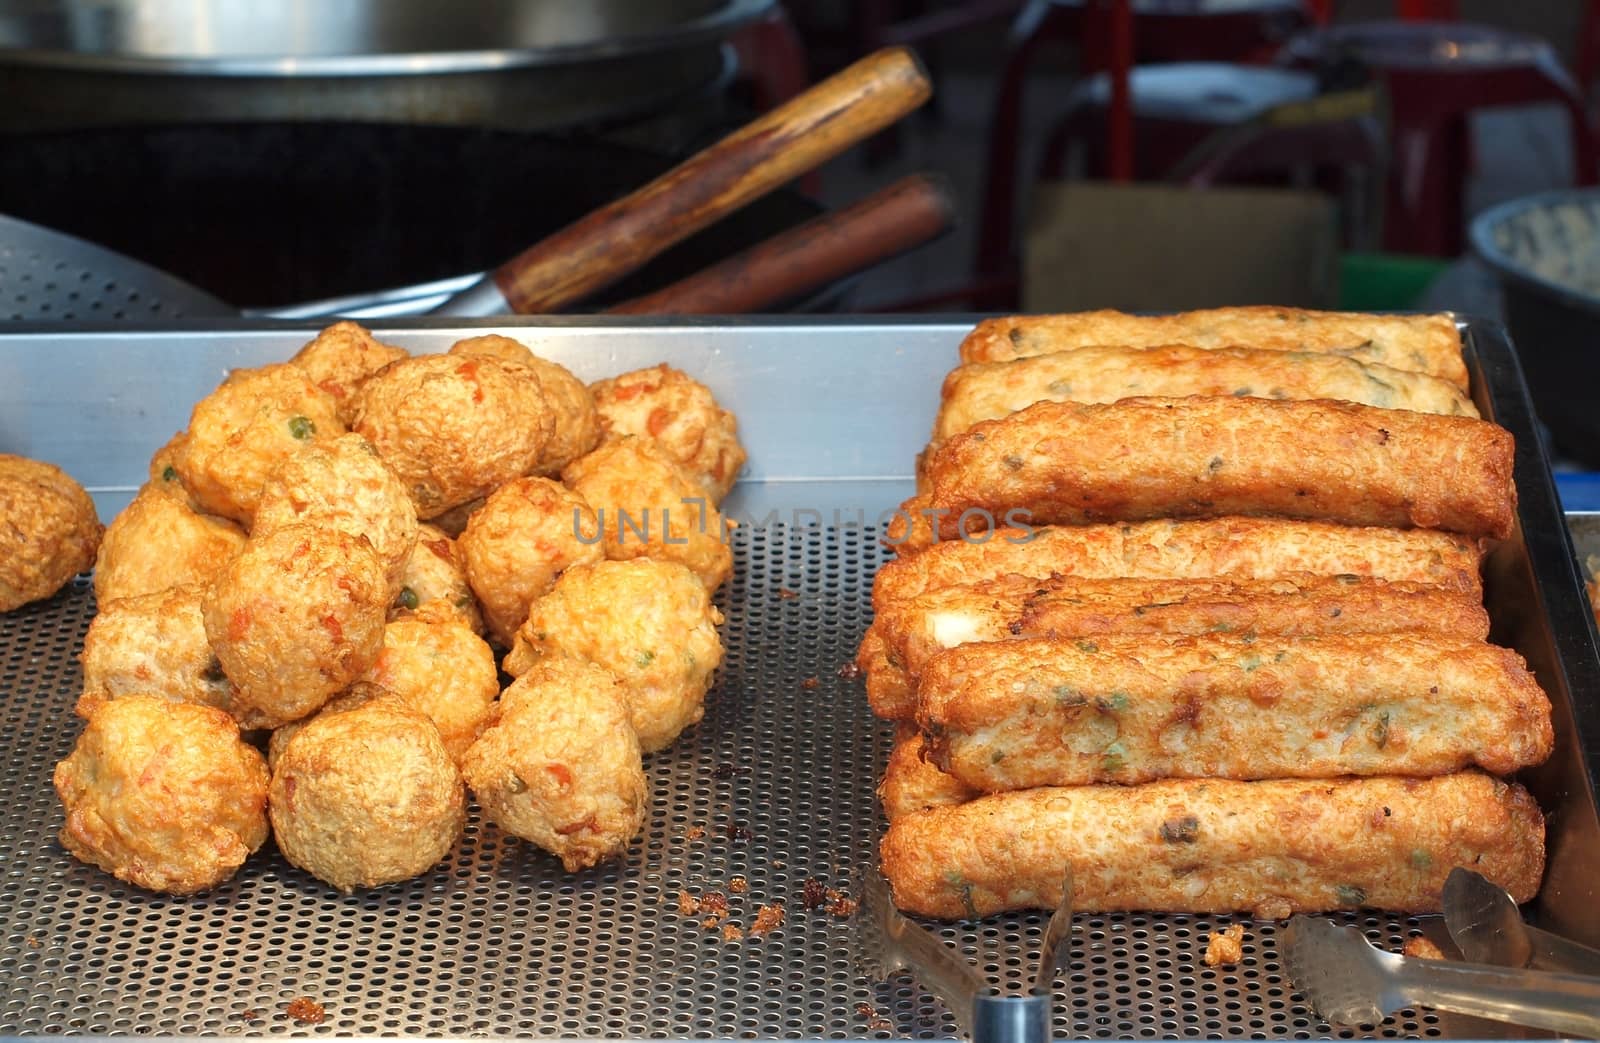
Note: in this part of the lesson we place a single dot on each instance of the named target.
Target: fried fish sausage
(1203, 457)
(1061, 712)
(1420, 343)
(1240, 548)
(1010, 607)
(989, 390)
(1270, 849)
(890, 691)
(910, 784)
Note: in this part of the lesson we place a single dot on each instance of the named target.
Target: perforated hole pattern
(780, 778)
(37, 285)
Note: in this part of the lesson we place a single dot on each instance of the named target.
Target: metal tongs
(891, 942)
(1349, 982)
(1487, 927)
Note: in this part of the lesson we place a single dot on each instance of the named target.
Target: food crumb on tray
(306, 1011)
(848, 670)
(738, 885)
(1226, 947)
(810, 683)
(768, 918)
(732, 932)
(1421, 948)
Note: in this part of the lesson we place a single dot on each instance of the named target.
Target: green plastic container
(1385, 282)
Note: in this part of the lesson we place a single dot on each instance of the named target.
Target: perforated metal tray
(774, 787)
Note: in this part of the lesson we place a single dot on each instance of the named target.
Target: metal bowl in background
(1545, 250)
(522, 64)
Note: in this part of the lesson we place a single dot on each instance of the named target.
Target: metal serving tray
(775, 786)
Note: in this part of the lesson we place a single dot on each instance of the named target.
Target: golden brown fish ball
(154, 645)
(649, 506)
(158, 542)
(366, 796)
(455, 427)
(341, 484)
(681, 415)
(341, 358)
(164, 795)
(444, 670)
(297, 616)
(560, 766)
(526, 533)
(434, 585)
(577, 423)
(48, 530)
(649, 622)
(243, 431)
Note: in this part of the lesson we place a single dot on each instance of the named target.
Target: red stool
(1436, 74)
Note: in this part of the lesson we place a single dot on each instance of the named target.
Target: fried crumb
(728, 771)
(732, 932)
(695, 833)
(1225, 947)
(688, 904)
(848, 670)
(1420, 948)
(778, 863)
(248, 1015)
(768, 918)
(812, 893)
(711, 923)
(34, 943)
(739, 885)
(841, 905)
(714, 903)
(786, 594)
(810, 683)
(866, 1010)
(879, 1023)
(306, 1011)
(734, 831)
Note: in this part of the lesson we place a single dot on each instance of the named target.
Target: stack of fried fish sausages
(1193, 603)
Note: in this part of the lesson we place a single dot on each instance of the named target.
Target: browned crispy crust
(1241, 548)
(1204, 457)
(910, 784)
(914, 631)
(989, 390)
(1060, 712)
(1419, 343)
(889, 691)
(1216, 846)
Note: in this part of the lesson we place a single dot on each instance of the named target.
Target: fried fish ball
(1060, 712)
(342, 484)
(158, 542)
(444, 670)
(560, 765)
(1271, 848)
(454, 521)
(1240, 548)
(341, 358)
(434, 585)
(455, 427)
(990, 390)
(1420, 343)
(48, 530)
(577, 427)
(243, 431)
(297, 616)
(911, 784)
(1014, 607)
(526, 533)
(649, 506)
(366, 796)
(650, 622)
(164, 795)
(678, 413)
(1144, 458)
(152, 644)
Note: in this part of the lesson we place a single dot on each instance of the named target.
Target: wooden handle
(907, 213)
(806, 131)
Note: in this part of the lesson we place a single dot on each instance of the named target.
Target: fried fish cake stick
(890, 691)
(1270, 849)
(1011, 607)
(1203, 457)
(1239, 548)
(1420, 343)
(1059, 712)
(989, 390)
(910, 784)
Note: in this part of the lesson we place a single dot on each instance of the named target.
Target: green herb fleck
(517, 784)
(1059, 387)
(1421, 859)
(1250, 663)
(1013, 462)
(1349, 579)
(1113, 758)
(1215, 465)
(997, 756)
(1066, 695)
(643, 659)
(1243, 392)
(954, 878)
(302, 428)
(1116, 702)
(1183, 830)
(1380, 730)
(213, 673)
(169, 473)
(1088, 646)
(1350, 895)
(407, 598)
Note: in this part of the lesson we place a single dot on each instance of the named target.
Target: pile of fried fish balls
(300, 614)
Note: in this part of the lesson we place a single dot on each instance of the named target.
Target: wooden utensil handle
(907, 213)
(809, 129)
